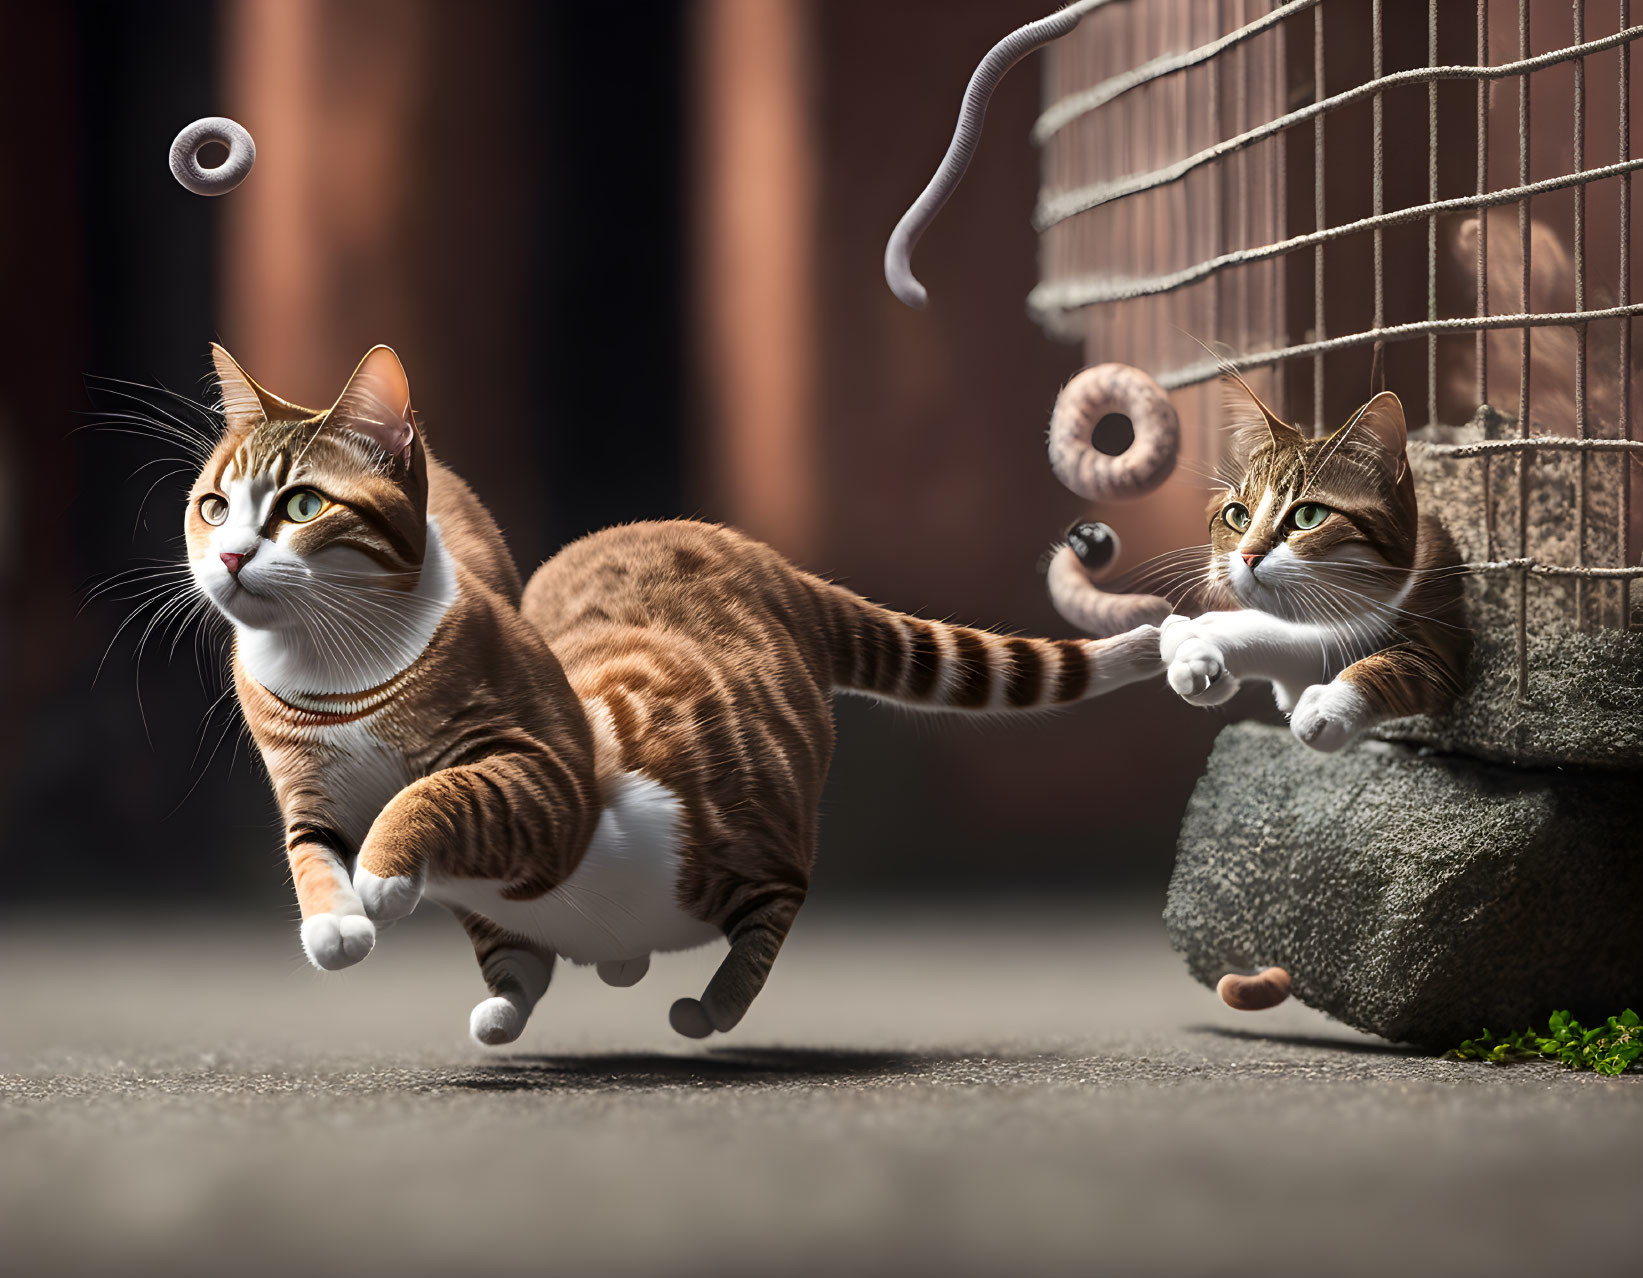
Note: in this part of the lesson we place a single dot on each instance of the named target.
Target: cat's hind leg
(517, 974)
(756, 935)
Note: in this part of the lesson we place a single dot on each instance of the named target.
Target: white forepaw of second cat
(1197, 669)
(1330, 716)
(335, 941)
(387, 899)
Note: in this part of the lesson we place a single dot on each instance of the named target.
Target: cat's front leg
(1196, 660)
(335, 930)
(491, 819)
(1330, 716)
(1402, 680)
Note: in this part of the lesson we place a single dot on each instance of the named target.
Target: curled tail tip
(1084, 604)
(912, 294)
(898, 268)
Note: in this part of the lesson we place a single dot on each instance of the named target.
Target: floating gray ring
(185, 155)
(1083, 402)
(1098, 476)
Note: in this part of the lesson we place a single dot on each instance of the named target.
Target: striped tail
(941, 667)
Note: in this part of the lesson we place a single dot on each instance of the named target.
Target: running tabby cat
(1345, 598)
(624, 757)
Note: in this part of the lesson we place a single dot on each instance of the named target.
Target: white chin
(243, 608)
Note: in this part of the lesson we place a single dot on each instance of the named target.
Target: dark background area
(533, 229)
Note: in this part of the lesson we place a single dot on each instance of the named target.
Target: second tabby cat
(624, 757)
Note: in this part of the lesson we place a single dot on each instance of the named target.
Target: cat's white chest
(359, 775)
(621, 902)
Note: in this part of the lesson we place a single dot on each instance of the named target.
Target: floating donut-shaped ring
(1114, 433)
(185, 155)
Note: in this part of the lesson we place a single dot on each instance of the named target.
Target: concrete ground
(1033, 1090)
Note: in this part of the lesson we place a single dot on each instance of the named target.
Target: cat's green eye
(303, 505)
(1308, 515)
(1237, 516)
(213, 509)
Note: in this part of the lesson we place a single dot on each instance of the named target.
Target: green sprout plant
(1610, 1048)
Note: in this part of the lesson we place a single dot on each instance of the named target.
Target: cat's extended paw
(1330, 716)
(496, 1021)
(1173, 631)
(387, 899)
(1198, 673)
(335, 941)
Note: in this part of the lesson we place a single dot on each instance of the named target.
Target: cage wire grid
(1244, 69)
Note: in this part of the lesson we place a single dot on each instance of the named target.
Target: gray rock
(1418, 896)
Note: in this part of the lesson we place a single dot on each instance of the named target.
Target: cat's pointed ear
(244, 403)
(376, 403)
(1247, 413)
(1381, 420)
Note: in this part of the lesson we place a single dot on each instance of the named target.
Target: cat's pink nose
(232, 561)
(1249, 559)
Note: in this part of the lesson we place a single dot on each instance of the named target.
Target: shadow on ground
(1316, 1041)
(722, 1066)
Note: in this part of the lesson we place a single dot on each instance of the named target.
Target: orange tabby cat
(625, 757)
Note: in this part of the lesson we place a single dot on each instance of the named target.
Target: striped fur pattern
(1340, 594)
(623, 757)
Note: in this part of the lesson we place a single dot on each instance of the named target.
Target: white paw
(1330, 716)
(689, 1017)
(334, 941)
(624, 972)
(496, 1021)
(387, 899)
(1175, 629)
(1198, 673)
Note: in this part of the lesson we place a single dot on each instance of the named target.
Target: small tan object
(1267, 988)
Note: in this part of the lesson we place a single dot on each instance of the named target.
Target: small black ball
(1095, 544)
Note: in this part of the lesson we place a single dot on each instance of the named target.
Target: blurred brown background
(631, 257)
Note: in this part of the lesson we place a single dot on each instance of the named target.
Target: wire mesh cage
(1359, 195)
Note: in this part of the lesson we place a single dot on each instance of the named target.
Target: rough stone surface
(1417, 896)
(1584, 706)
